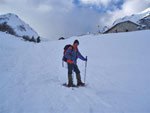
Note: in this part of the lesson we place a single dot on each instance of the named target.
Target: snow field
(117, 75)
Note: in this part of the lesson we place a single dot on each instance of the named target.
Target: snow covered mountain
(12, 24)
(118, 75)
(142, 18)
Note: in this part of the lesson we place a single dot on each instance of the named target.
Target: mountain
(142, 19)
(13, 25)
(117, 75)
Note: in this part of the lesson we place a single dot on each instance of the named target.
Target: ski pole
(85, 70)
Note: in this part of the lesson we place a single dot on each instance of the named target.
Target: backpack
(65, 49)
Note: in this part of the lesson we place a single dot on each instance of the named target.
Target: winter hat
(76, 41)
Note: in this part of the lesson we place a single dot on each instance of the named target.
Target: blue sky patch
(100, 9)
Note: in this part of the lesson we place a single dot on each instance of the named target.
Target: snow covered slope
(118, 75)
(134, 18)
(20, 27)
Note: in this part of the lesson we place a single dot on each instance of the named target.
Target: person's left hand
(85, 59)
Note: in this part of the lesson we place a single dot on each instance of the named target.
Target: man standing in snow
(72, 54)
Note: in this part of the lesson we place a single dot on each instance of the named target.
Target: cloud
(53, 18)
(75, 22)
(44, 8)
(96, 2)
(129, 7)
(101, 4)
(39, 5)
(44, 16)
(56, 18)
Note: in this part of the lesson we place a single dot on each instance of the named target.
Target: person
(72, 54)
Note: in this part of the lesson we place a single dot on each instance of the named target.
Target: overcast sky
(64, 18)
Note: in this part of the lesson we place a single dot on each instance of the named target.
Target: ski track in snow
(117, 75)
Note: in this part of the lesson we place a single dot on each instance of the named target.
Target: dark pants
(72, 67)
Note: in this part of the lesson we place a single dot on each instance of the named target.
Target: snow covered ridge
(12, 24)
(139, 21)
(134, 17)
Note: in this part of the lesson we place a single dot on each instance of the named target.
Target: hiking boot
(80, 84)
(71, 85)
(70, 81)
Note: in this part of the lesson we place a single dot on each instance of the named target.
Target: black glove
(85, 59)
